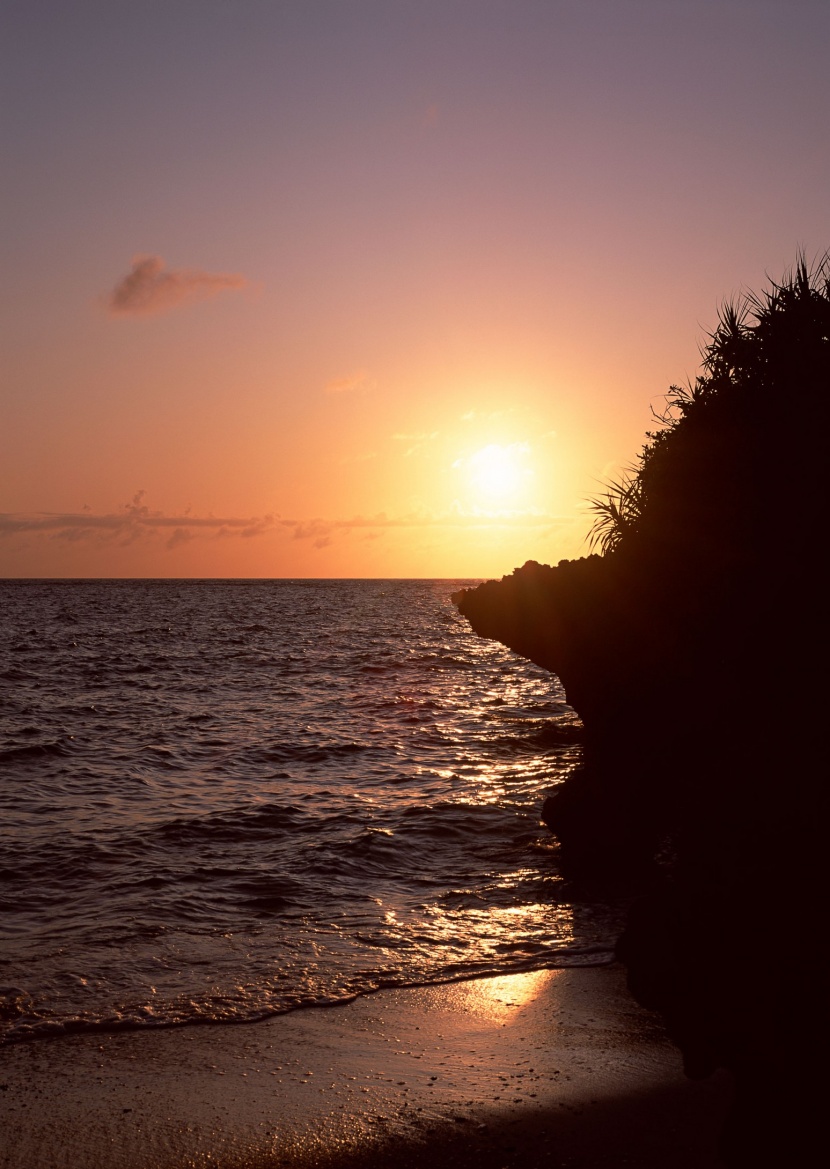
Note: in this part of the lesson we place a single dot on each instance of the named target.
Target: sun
(498, 474)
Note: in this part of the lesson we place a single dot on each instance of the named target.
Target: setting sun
(498, 474)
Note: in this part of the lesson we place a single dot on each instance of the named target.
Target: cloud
(179, 537)
(359, 380)
(317, 530)
(458, 516)
(150, 288)
(417, 441)
(133, 521)
(136, 521)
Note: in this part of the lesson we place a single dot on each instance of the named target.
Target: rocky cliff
(693, 649)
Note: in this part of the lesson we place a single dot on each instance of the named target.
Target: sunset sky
(373, 288)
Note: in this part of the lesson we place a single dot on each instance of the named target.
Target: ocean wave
(288, 752)
(276, 796)
(241, 824)
(20, 1020)
(18, 754)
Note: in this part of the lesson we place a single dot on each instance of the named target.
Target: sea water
(220, 800)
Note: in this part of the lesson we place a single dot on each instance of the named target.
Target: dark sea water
(225, 799)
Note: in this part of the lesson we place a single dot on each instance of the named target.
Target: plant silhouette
(699, 481)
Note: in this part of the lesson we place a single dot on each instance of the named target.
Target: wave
(34, 751)
(286, 753)
(264, 821)
(16, 1005)
(276, 797)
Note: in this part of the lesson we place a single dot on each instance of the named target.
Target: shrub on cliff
(737, 461)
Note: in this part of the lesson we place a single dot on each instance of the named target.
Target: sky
(374, 288)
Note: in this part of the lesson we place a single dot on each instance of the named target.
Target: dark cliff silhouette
(694, 650)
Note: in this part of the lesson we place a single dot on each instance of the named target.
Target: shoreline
(605, 957)
(551, 1067)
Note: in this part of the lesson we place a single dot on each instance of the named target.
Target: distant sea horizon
(207, 579)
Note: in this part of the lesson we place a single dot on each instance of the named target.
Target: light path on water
(226, 799)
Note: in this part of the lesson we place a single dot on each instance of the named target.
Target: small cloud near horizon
(150, 288)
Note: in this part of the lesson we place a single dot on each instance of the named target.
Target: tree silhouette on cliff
(706, 482)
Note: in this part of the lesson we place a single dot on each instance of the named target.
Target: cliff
(693, 650)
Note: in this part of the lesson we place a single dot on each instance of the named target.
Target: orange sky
(372, 289)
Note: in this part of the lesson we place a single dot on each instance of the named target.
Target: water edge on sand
(550, 1067)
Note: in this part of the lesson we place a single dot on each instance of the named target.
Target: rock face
(693, 649)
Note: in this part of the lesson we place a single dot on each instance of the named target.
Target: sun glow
(499, 999)
(498, 474)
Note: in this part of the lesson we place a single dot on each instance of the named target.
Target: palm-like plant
(697, 468)
(618, 513)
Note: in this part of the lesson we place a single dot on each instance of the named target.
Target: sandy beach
(553, 1068)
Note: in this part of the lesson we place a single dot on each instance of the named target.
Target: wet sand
(552, 1068)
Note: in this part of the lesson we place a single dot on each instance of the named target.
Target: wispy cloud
(180, 536)
(359, 380)
(150, 288)
(417, 442)
(320, 532)
(136, 521)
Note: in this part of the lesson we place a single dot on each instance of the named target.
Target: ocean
(221, 800)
